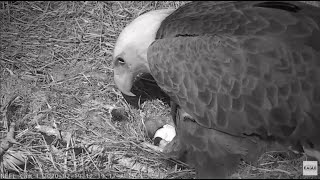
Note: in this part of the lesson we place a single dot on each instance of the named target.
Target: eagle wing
(243, 69)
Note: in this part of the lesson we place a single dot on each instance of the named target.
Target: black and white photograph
(159, 89)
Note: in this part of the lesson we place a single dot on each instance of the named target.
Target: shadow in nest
(145, 88)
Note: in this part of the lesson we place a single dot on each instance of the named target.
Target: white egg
(167, 133)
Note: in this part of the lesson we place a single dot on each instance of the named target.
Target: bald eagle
(243, 76)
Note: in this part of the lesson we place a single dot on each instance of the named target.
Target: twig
(7, 142)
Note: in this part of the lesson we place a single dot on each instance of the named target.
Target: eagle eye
(120, 61)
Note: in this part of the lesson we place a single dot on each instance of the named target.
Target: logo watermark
(310, 168)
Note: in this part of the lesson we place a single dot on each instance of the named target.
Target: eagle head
(130, 52)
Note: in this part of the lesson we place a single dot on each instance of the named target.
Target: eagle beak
(126, 75)
(124, 82)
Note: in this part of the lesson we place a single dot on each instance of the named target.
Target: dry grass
(57, 86)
